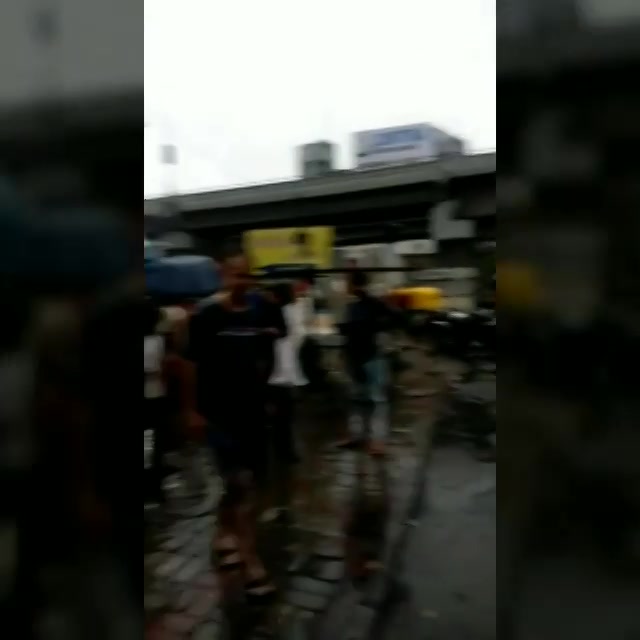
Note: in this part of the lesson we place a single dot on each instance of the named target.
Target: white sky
(237, 84)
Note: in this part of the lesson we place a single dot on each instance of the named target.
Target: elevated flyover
(363, 205)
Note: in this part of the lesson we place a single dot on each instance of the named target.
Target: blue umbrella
(70, 249)
(15, 232)
(181, 276)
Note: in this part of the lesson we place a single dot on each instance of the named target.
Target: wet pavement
(446, 589)
(347, 511)
(441, 573)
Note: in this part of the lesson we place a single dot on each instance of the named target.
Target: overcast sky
(237, 84)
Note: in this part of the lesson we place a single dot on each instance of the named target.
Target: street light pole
(169, 161)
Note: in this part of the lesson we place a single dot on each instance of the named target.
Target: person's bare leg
(379, 429)
(245, 520)
(226, 545)
(379, 419)
(356, 428)
(246, 516)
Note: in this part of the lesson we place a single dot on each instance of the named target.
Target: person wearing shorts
(367, 319)
(231, 343)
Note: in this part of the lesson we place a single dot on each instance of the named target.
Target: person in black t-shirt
(231, 343)
(367, 319)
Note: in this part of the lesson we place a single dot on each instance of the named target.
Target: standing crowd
(230, 379)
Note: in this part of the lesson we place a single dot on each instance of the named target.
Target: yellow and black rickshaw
(418, 301)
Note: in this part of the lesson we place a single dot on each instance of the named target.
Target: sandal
(261, 589)
(227, 557)
(376, 449)
(349, 444)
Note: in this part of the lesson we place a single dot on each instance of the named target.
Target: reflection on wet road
(447, 585)
(345, 508)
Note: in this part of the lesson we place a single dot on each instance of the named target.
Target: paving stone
(207, 580)
(155, 601)
(360, 623)
(208, 631)
(179, 623)
(204, 601)
(216, 614)
(346, 457)
(181, 527)
(402, 493)
(345, 466)
(344, 480)
(196, 508)
(330, 550)
(298, 563)
(155, 560)
(203, 524)
(206, 534)
(197, 549)
(327, 531)
(317, 572)
(308, 601)
(171, 566)
(341, 496)
(372, 487)
(169, 545)
(312, 586)
(184, 600)
(162, 534)
(201, 537)
(330, 571)
(177, 541)
(159, 632)
(298, 626)
(190, 570)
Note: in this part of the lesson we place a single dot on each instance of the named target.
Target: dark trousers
(311, 362)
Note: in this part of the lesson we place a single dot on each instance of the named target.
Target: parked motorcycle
(470, 337)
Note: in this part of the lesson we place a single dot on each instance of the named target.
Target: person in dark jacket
(366, 321)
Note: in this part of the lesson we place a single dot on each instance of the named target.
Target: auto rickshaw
(417, 300)
(419, 304)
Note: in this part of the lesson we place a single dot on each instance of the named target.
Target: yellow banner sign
(304, 247)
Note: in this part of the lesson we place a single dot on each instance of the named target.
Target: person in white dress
(287, 375)
(286, 379)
